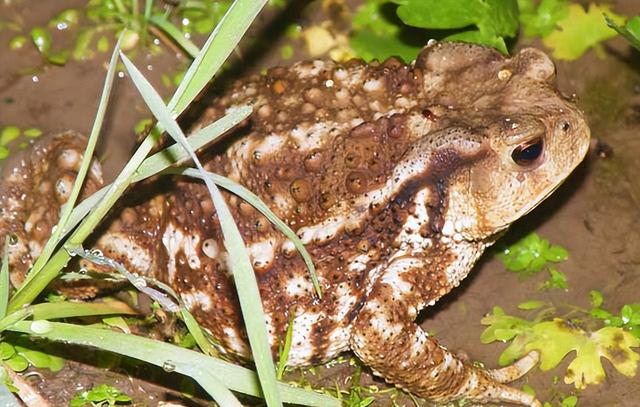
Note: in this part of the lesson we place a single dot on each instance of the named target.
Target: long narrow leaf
(164, 159)
(192, 326)
(14, 317)
(286, 348)
(5, 285)
(60, 229)
(219, 45)
(232, 27)
(257, 203)
(170, 357)
(67, 309)
(7, 398)
(244, 277)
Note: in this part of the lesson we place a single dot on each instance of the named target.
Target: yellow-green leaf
(555, 339)
(580, 30)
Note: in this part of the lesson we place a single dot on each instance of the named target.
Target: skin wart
(396, 177)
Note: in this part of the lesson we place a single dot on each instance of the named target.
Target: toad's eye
(527, 153)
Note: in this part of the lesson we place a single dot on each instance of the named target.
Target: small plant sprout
(102, 395)
(531, 254)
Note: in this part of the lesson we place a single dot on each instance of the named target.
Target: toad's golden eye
(528, 153)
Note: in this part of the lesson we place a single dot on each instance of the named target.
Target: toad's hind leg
(386, 338)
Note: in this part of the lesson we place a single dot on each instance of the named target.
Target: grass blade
(212, 386)
(68, 309)
(243, 274)
(165, 297)
(257, 203)
(61, 228)
(219, 45)
(7, 398)
(15, 317)
(164, 159)
(5, 284)
(175, 34)
(192, 326)
(284, 354)
(185, 361)
(231, 28)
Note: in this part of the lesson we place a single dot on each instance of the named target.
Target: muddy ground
(595, 214)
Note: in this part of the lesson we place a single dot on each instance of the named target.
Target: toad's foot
(386, 338)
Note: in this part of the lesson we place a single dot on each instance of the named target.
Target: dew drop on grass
(168, 366)
(41, 327)
(139, 282)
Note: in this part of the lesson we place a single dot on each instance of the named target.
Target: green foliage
(10, 133)
(569, 401)
(381, 28)
(628, 318)
(355, 398)
(580, 30)
(110, 18)
(540, 21)
(384, 28)
(557, 279)
(492, 20)
(18, 357)
(200, 16)
(284, 348)
(378, 33)
(42, 41)
(531, 254)
(630, 31)
(18, 42)
(101, 395)
(556, 338)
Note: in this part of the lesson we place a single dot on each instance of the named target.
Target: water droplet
(139, 282)
(97, 253)
(168, 366)
(41, 327)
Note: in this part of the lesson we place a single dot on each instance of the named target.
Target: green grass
(215, 376)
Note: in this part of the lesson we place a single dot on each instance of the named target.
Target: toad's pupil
(527, 153)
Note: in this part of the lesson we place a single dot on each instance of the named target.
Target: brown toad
(396, 177)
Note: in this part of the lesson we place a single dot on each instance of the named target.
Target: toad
(396, 178)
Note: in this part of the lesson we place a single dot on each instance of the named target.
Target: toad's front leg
(386, 338)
